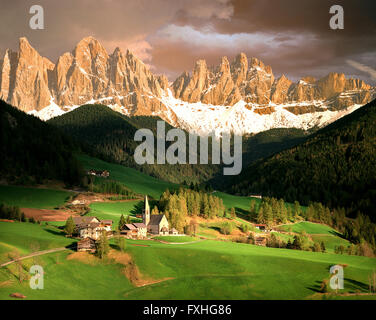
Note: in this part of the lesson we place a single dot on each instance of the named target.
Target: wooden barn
(87, 245)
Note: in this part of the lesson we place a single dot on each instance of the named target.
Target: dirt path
(35, 254)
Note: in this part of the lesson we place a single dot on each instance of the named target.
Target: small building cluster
(87, 244)
(134, 231)
(156, 224)
(98, 173)
(151, 224)
(89, 229)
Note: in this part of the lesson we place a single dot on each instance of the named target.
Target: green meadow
(176, 239)
(241, 204)
(198, 270)
(114, 210)
(226, 270)
(67, 279)
(33, 197)
(184, 269)
(317, 232)
(131, 178)
(24, 236)
(308, 227)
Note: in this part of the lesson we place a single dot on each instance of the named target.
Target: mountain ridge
(242, 96)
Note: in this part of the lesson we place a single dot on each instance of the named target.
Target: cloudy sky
(292, 36)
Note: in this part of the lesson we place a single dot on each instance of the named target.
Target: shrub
(245, 228)
(324, 286)
(226, 228)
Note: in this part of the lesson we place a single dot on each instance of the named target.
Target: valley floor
(150, 269)
(206, 267)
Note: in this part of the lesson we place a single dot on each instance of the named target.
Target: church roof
(139, 225)
(155, 219)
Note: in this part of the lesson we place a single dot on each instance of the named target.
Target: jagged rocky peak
(227, 83)
(239, 68)
(280, 90)
(86, 74)
(89, 74)
(253, 82)
(180, 83)
(24, 78)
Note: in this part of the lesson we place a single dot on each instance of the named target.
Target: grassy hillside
(33, 197)
(309, 227)
(335, 166)
(113, 210)
(202, 270)
(23, 236)
(131, 178)
(68, 279)
(318, 233)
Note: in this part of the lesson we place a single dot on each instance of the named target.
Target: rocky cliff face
(87, 74)
(24, 78)
(242, 96)
(255, 84)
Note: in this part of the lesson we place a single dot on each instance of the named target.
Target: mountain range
(242, 96)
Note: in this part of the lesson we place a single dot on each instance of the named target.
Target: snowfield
(204, 119)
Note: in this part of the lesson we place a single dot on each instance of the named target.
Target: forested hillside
(32, 150)
(262, 145)
(335, 166)
(109, 135)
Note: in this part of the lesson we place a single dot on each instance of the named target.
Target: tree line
(272, 211)
(14, 213)
(179, 205)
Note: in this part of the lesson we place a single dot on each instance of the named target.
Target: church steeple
(146, 213)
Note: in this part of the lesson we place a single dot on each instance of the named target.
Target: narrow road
(35, 254)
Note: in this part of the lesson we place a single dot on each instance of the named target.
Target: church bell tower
(146, 213)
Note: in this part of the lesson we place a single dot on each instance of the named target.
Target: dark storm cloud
(331, 48)
(293, 36)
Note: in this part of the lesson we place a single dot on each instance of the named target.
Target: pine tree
(122, 223)
(289, 245)
(103, 246)
(69, 226)
(260, 215)
(232, 213)
(121, 243)
(297, 244)
(268, 212)
(297, 210)
(323, 249)
(252, 207)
